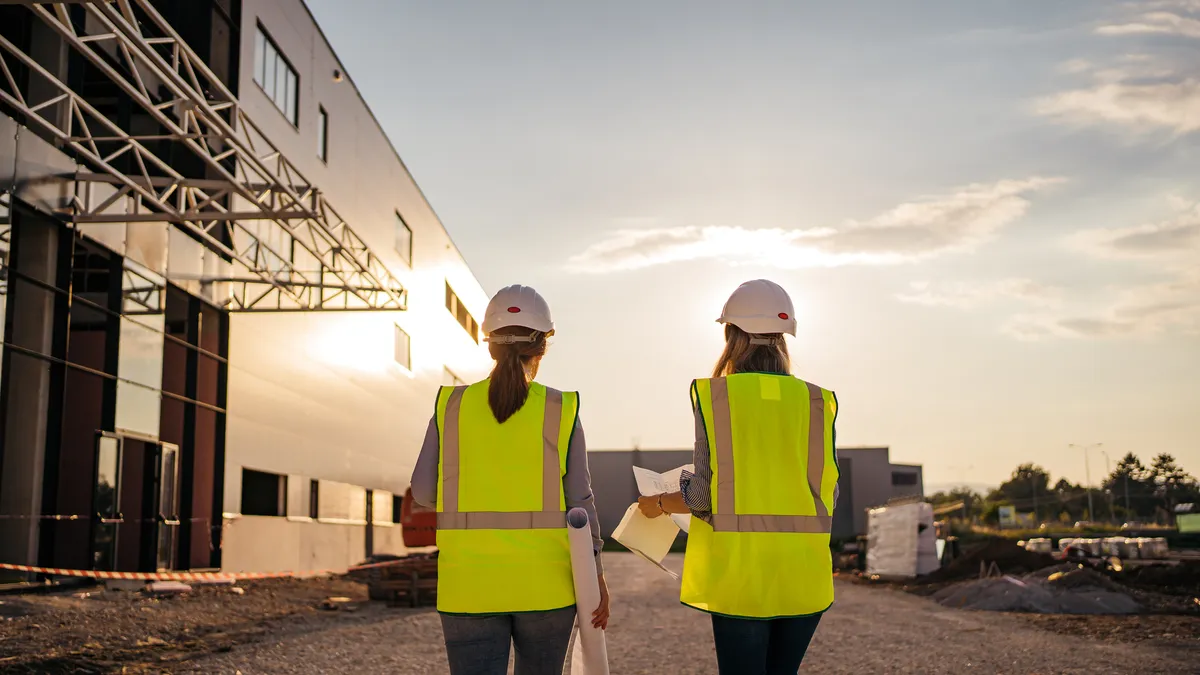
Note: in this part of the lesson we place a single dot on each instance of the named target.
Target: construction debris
(1002, 554)
(401, 581)
(167, 588)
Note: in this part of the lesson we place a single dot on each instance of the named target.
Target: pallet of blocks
(402, 581)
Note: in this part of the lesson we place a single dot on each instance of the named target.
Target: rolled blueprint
(590, 653)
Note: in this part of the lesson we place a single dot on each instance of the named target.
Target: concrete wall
(263, 544)
(866, 482)
(613, 483)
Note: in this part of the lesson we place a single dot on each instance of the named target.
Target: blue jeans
(478, 645)
(762, 647)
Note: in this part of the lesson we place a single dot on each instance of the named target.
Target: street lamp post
(1088, 475)
(1112, 511)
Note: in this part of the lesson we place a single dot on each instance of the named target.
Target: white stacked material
(1130, 549)
(898, 545)
(1092, 546)
(1112, 546)
(1153, 548)
(1039, 545)
(928, 559)
(1066, 542)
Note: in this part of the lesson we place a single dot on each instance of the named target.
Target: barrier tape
(104, 521)
(191, 576)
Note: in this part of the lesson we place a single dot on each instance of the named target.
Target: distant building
(868, 479)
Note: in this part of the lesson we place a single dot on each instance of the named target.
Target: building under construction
(226, 306)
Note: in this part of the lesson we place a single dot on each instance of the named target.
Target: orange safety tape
(160, 576)
(188, 576)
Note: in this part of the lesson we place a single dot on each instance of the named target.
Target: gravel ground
(870, 630)
(276, 628)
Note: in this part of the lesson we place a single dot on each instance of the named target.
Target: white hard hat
(517, 306)
(760, 307)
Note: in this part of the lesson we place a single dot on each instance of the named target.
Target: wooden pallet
(407, 582)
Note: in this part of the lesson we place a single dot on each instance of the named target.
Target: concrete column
(28, 383)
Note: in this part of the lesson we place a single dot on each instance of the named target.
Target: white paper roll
(590, 653)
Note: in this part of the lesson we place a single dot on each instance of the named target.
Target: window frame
(461, 315)
(281, 496)
(407, 347)
(405, 256)
(289, 68)
(455, 380)
(322, 134)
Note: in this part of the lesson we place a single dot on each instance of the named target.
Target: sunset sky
(988, 214)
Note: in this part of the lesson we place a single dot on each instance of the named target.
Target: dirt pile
(1064, 590)
(1179, 579)
(1004, 553)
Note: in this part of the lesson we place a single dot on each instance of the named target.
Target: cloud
(1178, 236)
(964, 295)
(1117, 100)
(914, 230)
(1155, 23)
(1169, 306)
(1142, 311)
(1143, 93)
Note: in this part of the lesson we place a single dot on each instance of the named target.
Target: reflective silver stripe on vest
(750, 523)
(725, 518)
(816, 445)
(502, 520)
(450, 451)
(551, 516)
(723, 435)
(551, 476)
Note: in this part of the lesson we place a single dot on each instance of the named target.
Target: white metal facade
(319, 395)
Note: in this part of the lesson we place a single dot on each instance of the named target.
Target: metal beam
(248, 182)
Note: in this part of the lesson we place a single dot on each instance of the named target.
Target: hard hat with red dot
(516, 306)
(760, 307)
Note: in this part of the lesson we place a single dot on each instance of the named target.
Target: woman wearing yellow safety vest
(762, 494)
(503, 461)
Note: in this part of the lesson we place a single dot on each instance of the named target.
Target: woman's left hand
(649, 506)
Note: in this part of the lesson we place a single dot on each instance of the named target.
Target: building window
(449, 379)
(314, 499)
(322, 134)
(275, 75)
(403, 240)
(403, 348)
(263, 494)
(460, 313)
(397, 508)
(903, 478)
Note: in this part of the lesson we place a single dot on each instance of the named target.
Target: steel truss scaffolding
(5, 235)
(290, 250)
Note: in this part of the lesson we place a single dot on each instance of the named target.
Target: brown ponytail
(740, 356)
(509, 385)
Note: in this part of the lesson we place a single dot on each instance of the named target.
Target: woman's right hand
(600, 616)
(650, 506)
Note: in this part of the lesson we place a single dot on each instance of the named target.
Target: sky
(987, 214)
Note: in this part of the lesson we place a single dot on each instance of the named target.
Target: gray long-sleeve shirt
(577, 483)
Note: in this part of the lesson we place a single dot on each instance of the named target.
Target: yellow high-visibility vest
(501, 512)
(771, 447)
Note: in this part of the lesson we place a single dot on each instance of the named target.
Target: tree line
(1132, 492)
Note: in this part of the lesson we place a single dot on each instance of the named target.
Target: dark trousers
(762, 647)
(479, 645)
